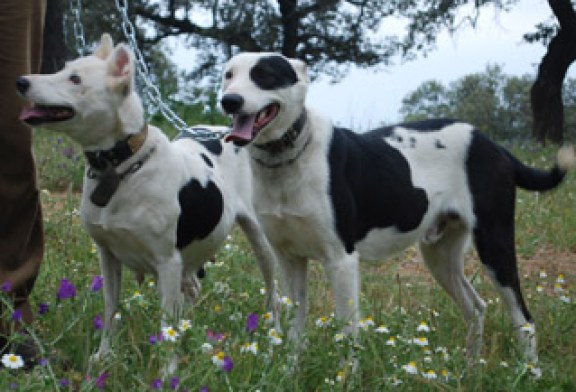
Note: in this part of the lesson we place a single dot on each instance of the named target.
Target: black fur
(201, 211)
(371, 186)
(272, 73)
(212, 145)
(491, 179)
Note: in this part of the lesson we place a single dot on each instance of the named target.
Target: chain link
(150, 90)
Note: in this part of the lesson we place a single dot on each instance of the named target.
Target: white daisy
(286, 301)
(184, 325)
(528, 328)
(170, 334)
(430, 375)
(382, 329)
(12, 361)
(365, 323)
(206, 348)
(323, 322)
(421, 341)
(423, 327)
(275, 337)
(410, 368)
(249, 348)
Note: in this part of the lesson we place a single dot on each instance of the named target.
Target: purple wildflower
(43, 362)
(68, 152)
(98, 322)
(43, 308)
(97, 283)
(174, 382)
(252, 322)
(66, 289)
(204, 389)
(101, 381)
(64, 382)
(217, 337)
(227, 364)
(17, 315)
(13, 386)
(156, 384)
(153, 339)
(6, 286)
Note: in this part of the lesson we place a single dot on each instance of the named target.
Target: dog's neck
(283, 151)
(120, 152)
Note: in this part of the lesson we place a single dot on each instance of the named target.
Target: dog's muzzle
(232, 103)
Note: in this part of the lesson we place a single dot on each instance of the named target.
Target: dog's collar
(287, 140)
(122, 150)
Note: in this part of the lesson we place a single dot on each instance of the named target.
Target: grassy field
(217, 352)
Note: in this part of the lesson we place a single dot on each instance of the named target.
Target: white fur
(137, 228)
(293, 201)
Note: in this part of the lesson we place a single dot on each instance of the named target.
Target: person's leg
(21, 233)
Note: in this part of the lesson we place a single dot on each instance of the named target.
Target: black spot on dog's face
(273, 72)
(201, 211)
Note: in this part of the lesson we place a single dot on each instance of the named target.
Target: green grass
(397, 293)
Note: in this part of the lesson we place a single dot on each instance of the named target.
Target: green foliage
(496, 103)
(398, 294)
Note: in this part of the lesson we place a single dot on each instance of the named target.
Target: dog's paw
(191, 288)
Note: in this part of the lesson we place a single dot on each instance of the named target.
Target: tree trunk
(546, 93)
(54, 53)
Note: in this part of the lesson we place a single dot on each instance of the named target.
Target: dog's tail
(533, 179)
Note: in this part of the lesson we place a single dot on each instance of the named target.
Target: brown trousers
(21, 233)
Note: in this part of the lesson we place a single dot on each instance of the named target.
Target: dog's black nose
(22, 84)
(232, 103)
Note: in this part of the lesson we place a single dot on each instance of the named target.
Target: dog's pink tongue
(242, 129)
(28, 113)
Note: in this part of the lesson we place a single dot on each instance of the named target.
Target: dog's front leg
(112, 273)
(295, 281)
(171, 298)
(265, 257)
(343, 274)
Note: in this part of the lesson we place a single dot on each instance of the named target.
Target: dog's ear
(121, 70)
(301, 69)
(103, 50)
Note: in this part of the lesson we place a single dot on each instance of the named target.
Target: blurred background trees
(330, 35)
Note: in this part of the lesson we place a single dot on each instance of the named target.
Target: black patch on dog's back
(212, 145)
(201, 210)
(371, 186)
(273, 72)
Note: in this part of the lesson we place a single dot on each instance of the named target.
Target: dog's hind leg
(495, 245)
(112, 274)
(265, 257)
(445, 260)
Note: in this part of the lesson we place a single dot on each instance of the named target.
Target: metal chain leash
(77, 26)
(149, 89)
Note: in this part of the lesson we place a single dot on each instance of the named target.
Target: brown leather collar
(121, 151)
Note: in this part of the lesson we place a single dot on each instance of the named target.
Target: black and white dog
(156, 206)
(329, 194)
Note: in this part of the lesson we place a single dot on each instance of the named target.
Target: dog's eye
(75, 79)
(228, 75)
